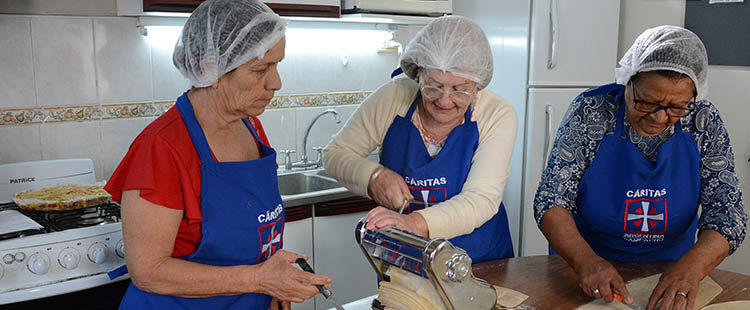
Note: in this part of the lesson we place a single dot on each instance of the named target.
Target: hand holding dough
(641, 290)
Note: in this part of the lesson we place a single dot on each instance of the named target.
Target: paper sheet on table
(13, 221)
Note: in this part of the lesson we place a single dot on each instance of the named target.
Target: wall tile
(123, 61)
(280, 126)
(117, 135)
(288, 73)
(73, 140)
(168, 81)
(64, 61)
(16, 68)
(335, 57)
(20, 143)
(324, 128)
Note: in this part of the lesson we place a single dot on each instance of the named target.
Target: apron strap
(396, 72)
(194, 129)
(620, 114)
(198, 136)
(413, 106)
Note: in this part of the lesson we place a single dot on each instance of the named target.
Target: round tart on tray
(62, 197)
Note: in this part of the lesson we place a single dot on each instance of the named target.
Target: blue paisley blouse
(590, 118)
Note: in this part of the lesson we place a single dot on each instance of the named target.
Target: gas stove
(72, 251)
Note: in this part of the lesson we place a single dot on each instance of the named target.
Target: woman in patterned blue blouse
(632, 163)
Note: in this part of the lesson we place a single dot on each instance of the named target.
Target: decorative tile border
(148, 109)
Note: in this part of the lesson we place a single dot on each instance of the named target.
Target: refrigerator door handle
(554, 35)
(548, 110)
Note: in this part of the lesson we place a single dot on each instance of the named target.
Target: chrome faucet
(304, 162)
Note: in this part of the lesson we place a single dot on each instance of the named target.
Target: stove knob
(120, 249)
(69, 258)
(20, 256)
(97, 253)
(8, 259)
(38, 263)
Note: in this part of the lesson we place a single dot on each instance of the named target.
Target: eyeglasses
(648, 107)
(458, 96)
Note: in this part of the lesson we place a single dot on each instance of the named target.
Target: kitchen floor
(98, 298)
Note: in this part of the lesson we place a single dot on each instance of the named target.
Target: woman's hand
(597, 277)
(279, 279)
(389, 189)
(279, 305)
(685, 275)
(381, 217)
(678, 279)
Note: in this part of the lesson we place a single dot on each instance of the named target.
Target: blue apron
(437, 180)
(635, 210)
(243, 221)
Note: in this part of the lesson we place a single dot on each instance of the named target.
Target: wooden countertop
(551, 283)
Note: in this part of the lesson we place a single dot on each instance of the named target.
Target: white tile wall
(123, 61)
(16, 69)
(63, 49)
(20, 143)
(167, 80)
(330, 57)
(54, 61)
(280, 126)
(73, 140)
(117, 135)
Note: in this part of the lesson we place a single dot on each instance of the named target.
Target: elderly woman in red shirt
(203, 220)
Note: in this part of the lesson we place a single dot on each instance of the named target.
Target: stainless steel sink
(304, 187)
(298, 183)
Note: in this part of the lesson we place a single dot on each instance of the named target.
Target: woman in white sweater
(445, 143)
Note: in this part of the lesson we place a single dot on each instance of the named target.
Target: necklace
(429, 139)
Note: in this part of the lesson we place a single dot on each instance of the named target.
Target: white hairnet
(221, 35)
(452, 44)
(667, 48)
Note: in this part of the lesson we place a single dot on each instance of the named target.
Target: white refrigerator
(546, 52)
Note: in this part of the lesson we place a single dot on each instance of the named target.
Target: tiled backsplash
(106, 134)
(77, 86)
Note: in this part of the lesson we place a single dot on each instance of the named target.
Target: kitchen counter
(551, 283)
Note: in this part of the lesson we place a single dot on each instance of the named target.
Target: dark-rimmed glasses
(649, 107)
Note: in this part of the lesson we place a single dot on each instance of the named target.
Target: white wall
(729, 90)
(59, 64)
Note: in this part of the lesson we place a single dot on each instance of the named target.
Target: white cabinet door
(573, 42)
(547, 106)
(298, 239)
(306, 2)
(338, 255)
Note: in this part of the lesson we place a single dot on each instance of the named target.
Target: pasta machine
(447, 267)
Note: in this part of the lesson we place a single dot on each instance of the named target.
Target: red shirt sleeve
(164, 166)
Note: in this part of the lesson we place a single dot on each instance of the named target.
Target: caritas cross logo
(430, 195)
(270, 238)
(646, 216)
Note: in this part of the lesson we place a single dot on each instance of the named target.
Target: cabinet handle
(548, 114)
(554, 33)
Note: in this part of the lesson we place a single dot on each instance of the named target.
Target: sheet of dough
(731, 305)
(509, 298)
(407, 291)
(641, 290)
